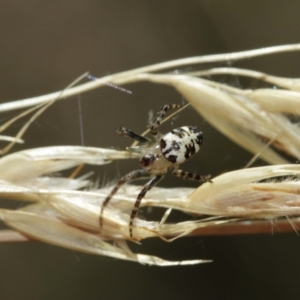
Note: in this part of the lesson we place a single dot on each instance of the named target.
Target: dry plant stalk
(65, 212)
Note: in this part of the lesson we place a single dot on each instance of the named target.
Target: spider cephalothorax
(167, 152)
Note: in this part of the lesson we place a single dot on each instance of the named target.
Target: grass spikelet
(64, 211)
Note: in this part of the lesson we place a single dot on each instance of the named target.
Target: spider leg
(128, 133)
(150, 184)
(137, 174)
(162, 113)
(191, 176)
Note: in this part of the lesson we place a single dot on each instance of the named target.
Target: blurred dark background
(45, 45)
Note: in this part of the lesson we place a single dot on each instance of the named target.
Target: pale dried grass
(64, 211)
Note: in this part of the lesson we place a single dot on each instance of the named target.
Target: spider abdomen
(181, 144)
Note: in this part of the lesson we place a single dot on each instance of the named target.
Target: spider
(166, 152)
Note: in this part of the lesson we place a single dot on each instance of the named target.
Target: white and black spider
(166, 152)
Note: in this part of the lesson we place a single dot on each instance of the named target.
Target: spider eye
(146, 161)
